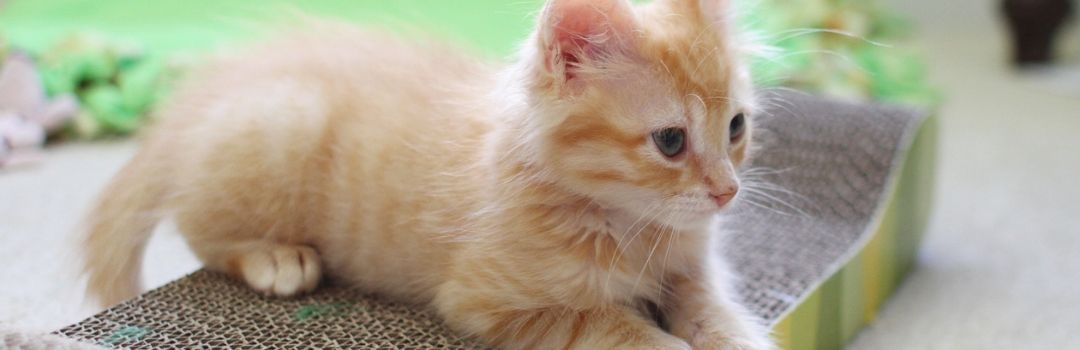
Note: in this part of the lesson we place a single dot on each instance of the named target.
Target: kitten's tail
(118, 228)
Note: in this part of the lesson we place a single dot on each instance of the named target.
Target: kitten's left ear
(576, 33)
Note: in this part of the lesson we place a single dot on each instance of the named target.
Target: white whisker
(794, 33)
(620, 248)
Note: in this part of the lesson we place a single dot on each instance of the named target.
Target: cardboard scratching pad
(819, 248)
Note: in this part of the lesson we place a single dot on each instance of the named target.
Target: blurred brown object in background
(1034, 25)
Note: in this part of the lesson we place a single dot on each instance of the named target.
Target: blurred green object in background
(116, 84)
(848, 48)
(118, 56)
(183, 26)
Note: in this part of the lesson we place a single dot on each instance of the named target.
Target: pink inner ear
(579, 30)
(569, 52)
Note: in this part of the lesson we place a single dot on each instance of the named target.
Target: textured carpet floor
(997, 271)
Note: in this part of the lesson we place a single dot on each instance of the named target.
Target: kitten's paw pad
(283, 270)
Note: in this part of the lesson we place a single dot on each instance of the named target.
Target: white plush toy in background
(27, 115)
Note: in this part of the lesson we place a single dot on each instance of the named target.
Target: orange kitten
(537, 205)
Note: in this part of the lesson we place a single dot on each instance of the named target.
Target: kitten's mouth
(707, 209)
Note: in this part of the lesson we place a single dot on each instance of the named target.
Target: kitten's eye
(737, 127)
(670, 141)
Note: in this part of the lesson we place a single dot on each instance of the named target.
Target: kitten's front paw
(283, 270)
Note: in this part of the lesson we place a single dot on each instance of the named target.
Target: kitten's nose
(722, 197)
(721, 192)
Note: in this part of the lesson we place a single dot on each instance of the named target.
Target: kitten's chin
(694, 218)
(695, 222)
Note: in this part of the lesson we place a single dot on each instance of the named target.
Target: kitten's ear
(575, 33)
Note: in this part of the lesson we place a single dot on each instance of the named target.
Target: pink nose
(723, 198)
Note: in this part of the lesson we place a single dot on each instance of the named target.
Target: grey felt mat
(826, 164)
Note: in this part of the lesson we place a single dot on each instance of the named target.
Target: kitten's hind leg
(267, 267)
(249, 246)
(282, 270)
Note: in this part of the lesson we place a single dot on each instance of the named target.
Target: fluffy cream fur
(528, 204)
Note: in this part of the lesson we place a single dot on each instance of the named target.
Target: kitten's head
(645, 108)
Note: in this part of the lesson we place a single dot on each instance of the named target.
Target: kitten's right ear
(577, 33)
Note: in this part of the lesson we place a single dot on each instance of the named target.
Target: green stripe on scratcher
(308, 312)
(828, 330)
(804, 323)
(124, 334)
(782, 333)
(851, 295)
(879, 265)
(913, 203)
